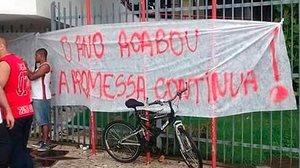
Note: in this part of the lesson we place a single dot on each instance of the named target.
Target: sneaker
(44, 147)
(37, 145)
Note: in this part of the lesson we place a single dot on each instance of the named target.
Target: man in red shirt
(16, 85)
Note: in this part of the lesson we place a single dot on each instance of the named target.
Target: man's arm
(39, 73)
(4, 71)
(3, 102)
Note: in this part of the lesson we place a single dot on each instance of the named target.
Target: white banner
(231, 67)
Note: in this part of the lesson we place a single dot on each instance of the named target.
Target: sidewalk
(63, 156)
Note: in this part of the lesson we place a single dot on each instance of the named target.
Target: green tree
(290, 13)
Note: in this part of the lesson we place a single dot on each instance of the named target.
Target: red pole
(214, 120)
(214, 143)
(143, 11)
(93, 132)
(148, 156)
(92, 115)
(214, 9)
(88, 11)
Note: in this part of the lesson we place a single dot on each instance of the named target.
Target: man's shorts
(42, 111)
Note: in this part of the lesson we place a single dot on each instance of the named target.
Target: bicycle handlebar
(178, 94)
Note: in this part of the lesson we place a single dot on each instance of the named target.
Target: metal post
(214, 9)
(148, 157)
(53, 16)
(157, 10)
(214, 120)
(143, 11)
(92, 114)
(88, 11)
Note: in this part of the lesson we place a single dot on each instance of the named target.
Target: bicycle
(124, 143)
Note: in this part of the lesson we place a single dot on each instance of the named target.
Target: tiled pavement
(63, 156)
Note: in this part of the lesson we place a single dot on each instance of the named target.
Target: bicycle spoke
(119, 142)
(189, 151)
(124, 151)
(130, 150)
(116, 136)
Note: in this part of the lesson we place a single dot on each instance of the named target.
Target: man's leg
(26, 130)
(42, 111)
(16, 134)
(46, 131)
(19, 134)
(5, 146)
(39, 119)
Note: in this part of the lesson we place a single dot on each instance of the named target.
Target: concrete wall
(22, 7)
(33, 7)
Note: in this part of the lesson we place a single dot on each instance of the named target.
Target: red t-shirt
(17, 88)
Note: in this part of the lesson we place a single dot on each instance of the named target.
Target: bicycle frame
(178, 127)
(171, 119)
(128, 136)
(123, 142)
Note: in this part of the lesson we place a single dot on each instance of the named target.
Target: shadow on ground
(48, 158)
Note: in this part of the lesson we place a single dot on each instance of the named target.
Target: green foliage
(290, 13)
(277, 129)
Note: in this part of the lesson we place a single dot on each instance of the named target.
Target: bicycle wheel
(118, 147)
(189, 150)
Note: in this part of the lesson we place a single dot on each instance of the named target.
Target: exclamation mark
(278, 93)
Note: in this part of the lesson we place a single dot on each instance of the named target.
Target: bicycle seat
(132, 103)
